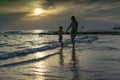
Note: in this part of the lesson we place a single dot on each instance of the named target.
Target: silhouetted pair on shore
(74, 29)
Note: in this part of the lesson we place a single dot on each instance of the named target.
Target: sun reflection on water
(40, 67)
(38, 31)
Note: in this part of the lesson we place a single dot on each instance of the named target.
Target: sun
(38, 11)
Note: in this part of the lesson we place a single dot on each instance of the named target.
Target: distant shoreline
(56, 33)
(95, 33)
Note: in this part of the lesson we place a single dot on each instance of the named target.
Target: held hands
(66, 31)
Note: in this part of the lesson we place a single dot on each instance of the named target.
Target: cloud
(8, 21)
(49, 3)
(58, 12)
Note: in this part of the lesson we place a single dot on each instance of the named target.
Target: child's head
(60, 27)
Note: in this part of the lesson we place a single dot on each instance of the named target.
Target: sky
(92, 14)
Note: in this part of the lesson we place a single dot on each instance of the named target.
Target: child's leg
(60, 40)
(73, 39)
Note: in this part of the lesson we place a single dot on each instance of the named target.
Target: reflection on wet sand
(74, 66)
(61, 59)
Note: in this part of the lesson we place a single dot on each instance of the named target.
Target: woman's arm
(69, 27)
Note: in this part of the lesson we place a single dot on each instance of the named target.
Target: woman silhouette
(74, 29)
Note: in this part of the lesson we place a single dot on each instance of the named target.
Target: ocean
(28, 55)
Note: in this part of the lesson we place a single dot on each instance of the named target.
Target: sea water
(28, 55)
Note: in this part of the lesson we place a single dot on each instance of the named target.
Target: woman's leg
(73, 39)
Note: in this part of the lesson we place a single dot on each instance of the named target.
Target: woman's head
(73, 18)
(61, 27)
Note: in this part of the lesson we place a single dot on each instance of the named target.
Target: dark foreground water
(35, 57)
